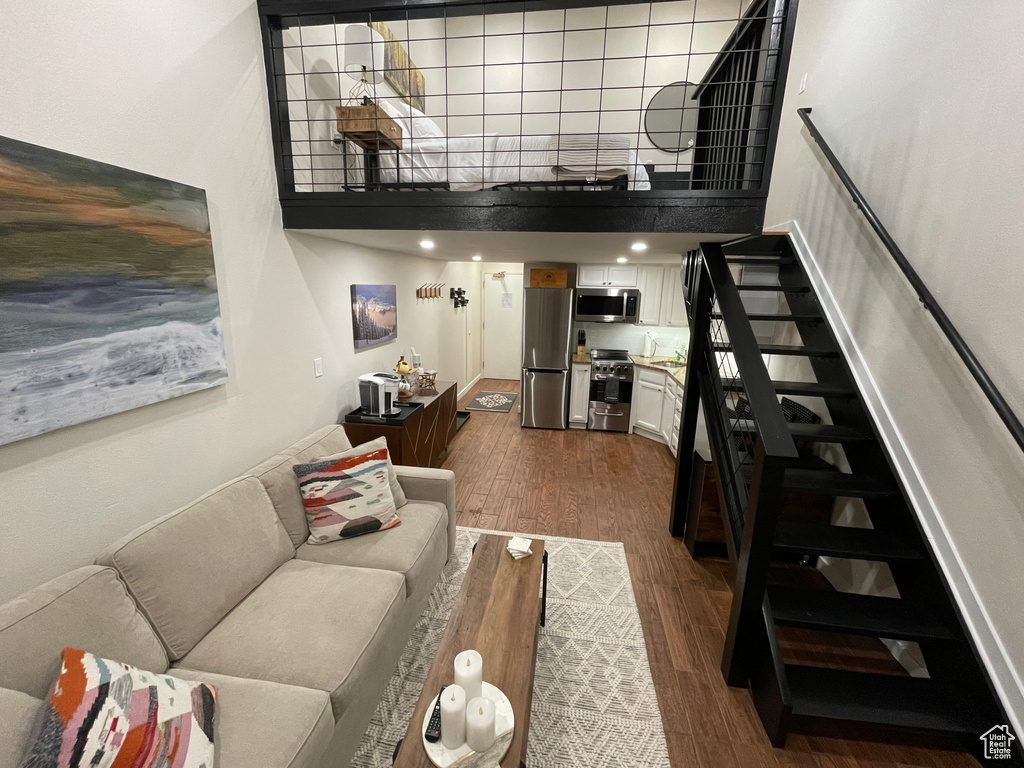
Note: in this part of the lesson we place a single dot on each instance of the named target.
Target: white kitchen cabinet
(668, 406)
(607, 276)
(579, 395)
(622, 276)
(651, 280)
(647, 401)
(673, 307)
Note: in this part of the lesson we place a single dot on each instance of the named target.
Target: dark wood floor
(614, 487)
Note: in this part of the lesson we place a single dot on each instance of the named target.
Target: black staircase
(766, 463)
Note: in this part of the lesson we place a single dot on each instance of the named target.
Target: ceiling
(582, 247)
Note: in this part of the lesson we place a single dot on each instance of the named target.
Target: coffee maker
(378, 393)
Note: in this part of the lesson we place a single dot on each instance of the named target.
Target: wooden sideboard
(423, 438)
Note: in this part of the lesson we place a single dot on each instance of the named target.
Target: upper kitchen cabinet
(673, 307)
(651, 280)
(607, 276)
(661, 296)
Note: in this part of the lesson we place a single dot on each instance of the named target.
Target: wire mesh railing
(633, 97)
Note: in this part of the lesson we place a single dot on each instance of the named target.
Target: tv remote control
(434, 725)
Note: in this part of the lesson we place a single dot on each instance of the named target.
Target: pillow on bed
(414, 123)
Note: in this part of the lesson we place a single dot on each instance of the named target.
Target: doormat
(594, 703)
(497, 402)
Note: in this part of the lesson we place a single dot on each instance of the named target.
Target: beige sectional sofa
(298, 640)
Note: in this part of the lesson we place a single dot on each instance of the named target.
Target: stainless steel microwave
(607, 305)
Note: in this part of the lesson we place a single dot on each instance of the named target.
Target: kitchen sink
(669, 364)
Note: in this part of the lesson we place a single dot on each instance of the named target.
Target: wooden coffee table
(498, 613)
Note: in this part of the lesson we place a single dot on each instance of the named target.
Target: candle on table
(480, 724)
(469, 674)
(453, 717)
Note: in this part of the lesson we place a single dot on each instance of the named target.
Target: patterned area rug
(593, 698)
(498, 402)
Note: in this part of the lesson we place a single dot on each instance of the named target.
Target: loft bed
(424, 158)
(487, 155)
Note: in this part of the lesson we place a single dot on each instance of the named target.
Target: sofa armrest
(424, 484)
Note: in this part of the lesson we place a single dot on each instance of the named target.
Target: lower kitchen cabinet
(658, 404)
(579, 395)
(648, 394)
(668, 404)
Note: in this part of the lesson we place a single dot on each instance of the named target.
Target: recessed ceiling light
(428, 244)
(639, 246)
(622, 259)
(477, 258)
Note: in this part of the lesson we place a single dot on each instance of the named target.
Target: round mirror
(670, 119)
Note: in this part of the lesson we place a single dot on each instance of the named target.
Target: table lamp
(364, 60)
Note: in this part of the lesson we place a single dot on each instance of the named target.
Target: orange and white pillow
(105, 714)
(348, 494)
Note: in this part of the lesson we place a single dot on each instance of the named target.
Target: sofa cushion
(87, 608)
(277, 477)
(417, 548)
(313, 625)
(189, 568)
(266, 724)
(348, 494)
(19, 714)
(129, 716)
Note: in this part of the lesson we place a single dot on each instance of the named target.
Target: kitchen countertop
(583, 359)
(679, 374)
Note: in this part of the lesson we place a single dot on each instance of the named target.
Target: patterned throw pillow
(104, 714)
(348, 494)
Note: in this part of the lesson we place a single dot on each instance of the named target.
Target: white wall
(921, 102)
(178, 90)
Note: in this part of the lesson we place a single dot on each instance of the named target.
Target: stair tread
(758, 245)
(911, 702)
(804, 388)
(785, 349)
(849, 613)
(839, 484)
(779, 288)
(840, 541)
(764, 260)
(818, 433)
(775, 318)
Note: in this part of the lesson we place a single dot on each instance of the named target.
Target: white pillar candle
(453, 717)
(469, 674)
(480, 724)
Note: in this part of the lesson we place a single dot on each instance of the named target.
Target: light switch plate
(318, 367)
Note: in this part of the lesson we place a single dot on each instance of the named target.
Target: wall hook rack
(429, 291)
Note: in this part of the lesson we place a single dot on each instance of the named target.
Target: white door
(668, 407)
(592, 276)
(673, 306)
(648, 406)
(650, 294)
(623, 277)
(579, 398)
(503, 327)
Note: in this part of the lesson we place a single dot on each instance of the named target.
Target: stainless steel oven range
(611, 390)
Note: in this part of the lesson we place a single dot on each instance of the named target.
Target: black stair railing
(995, 397)
(752, 445)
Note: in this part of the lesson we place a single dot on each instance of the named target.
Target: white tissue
(519, 547)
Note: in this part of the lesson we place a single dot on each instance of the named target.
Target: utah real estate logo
(997, 742)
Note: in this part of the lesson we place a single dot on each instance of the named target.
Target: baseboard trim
(469, 386)
(1005, 680)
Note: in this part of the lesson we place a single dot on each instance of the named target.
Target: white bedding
(470, 163)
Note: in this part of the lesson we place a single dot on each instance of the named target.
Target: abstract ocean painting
(374, 314)
(108, 295)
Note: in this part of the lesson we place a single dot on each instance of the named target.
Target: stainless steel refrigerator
(547, 349)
